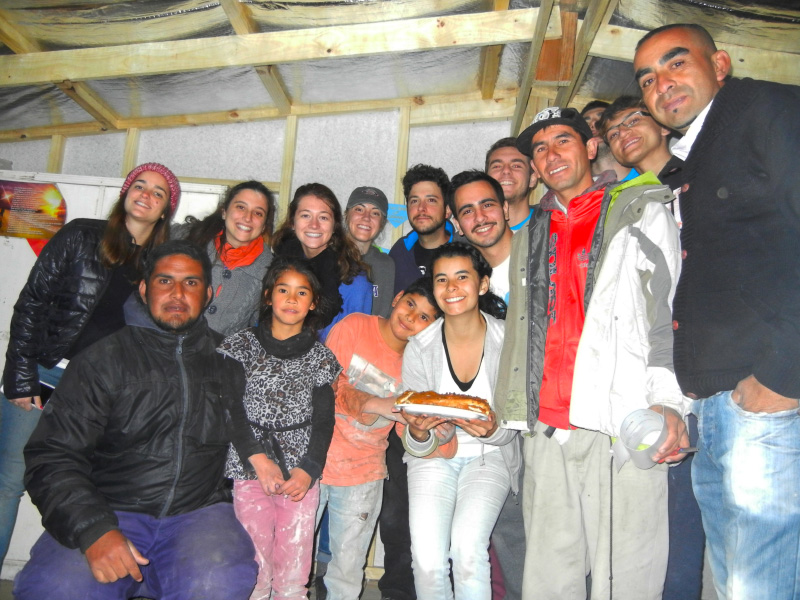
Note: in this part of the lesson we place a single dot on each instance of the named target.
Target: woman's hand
(297, 485)
(478, 427)
(419, 426)
(268, 473)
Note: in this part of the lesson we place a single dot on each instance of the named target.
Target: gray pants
(582, 516)
(508, 539)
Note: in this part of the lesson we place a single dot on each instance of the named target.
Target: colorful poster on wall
(31, 210)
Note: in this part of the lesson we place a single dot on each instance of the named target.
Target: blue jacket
(406, 269)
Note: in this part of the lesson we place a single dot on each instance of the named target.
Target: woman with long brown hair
(74, 297)
(314, 230)
(236, 236)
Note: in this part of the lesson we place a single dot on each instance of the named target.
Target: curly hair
(419, 173)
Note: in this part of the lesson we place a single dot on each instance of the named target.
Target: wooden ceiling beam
(242, 21)
(598, 14)
(84, 96)
(424, 109)
(619, 43)
(91, 102)
(277, 47)
(542, 20)
(490, 61)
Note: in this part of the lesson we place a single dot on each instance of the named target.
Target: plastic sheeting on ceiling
(46, 25)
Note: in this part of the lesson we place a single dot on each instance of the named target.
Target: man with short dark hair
(737, 308)
(126, 464)
(592, 113)
(513, 172)
(592, 278)
(634, 137)
(477, 202)
(604, 160)
(424, 188)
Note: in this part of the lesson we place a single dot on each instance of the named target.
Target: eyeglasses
(632, 120)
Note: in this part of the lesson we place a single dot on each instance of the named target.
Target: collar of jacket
(550, 202)
(292, 347)
(412, 237)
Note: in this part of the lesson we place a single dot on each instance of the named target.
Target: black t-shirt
(424, 258)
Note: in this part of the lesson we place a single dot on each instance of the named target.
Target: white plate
(441, 411)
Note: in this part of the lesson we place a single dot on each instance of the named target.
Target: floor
(372, 592)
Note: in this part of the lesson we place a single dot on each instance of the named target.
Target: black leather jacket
(140, 422)
(54, 306)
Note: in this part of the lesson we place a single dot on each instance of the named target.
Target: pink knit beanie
(174, 186)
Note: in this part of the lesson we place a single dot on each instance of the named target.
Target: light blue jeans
(746, 478)
(16, 426)
(453, 506)
(353, 511)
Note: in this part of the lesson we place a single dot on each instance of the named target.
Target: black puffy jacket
(140, 422)
(54, 306)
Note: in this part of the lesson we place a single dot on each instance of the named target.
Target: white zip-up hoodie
(624, 358)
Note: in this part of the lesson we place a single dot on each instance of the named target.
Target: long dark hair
(279, 266)
(348, 256)
(490, 303)
(117, 248)
(203, 231)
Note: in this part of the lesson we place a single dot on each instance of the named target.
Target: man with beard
(479, 202)
(126, 463)
(736, 318)
(424, 188)
(512, 170)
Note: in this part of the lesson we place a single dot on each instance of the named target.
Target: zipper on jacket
(181, 427)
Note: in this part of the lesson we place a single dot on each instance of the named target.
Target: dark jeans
(687, 540)
(508, 538)
(398, 578)
(202, 554)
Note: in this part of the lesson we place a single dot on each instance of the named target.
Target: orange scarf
(239, 257)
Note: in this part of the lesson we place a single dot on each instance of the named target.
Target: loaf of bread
(462, 401)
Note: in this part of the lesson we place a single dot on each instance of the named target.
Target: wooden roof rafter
(83, 95)
(537, 41)
(490, 60)
(559, 40)
(598, 14)
(242, 22)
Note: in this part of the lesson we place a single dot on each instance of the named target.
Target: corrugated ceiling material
(607, 79)
(66, 24)
(184, 93)
(24, 107)
(771, 25)
(451, 71)
(302, 14)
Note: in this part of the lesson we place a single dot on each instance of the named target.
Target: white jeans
(352, 511)
(453, 506)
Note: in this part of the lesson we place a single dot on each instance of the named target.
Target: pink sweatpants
(283, 534)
